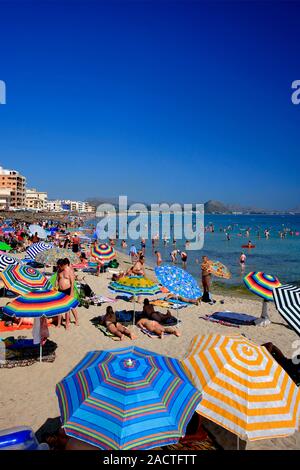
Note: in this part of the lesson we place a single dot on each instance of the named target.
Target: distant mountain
(218, 207)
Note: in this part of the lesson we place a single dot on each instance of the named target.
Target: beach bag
(113, 264)
(87, 291)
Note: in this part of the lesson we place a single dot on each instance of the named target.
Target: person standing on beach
(75, 243)
(206, 276)
(243, 261)
(158, 258)
(65, 282)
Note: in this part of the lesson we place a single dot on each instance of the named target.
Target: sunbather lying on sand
(116, 328)
(148, 309)
(183, 299)
(155, 327)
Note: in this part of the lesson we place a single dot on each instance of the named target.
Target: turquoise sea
(280, 257)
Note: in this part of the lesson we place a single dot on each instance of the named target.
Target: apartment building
(12, 180)
(36, 200)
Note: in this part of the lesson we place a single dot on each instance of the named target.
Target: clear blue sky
(157, 100)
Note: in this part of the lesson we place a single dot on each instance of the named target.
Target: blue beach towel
(234, 318)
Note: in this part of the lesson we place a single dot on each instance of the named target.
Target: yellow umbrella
(243, 388)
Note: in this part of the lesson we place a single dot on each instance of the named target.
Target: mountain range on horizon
(211, 206)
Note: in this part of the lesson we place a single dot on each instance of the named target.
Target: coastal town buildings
(36, 200)
(13, 181)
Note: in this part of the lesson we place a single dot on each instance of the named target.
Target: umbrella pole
(134, 310)
(177, 311)
(41, 347)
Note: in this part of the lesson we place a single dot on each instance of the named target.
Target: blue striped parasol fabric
(127, 398)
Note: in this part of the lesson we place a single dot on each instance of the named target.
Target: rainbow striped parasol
(127, 398)
(40, 304)
(22, 279)
(261, 284)
(103, 251)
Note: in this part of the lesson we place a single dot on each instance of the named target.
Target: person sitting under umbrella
(110, 321)
(138, 268)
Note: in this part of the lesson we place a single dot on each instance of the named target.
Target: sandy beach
(28, 393)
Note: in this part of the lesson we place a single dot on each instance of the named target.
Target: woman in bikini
(110, 321)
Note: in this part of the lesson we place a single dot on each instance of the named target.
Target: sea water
(276, 256)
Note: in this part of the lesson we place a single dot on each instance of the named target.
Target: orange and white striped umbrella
(243, 388)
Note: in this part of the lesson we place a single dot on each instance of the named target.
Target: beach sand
(28, 393)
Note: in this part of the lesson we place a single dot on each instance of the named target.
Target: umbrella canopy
(51, 256)
(243, 388)
(135, 285)
(127, 398)
(261, 284)
(103, 251)
(41, 233)
(37, 248)
(178, 281)
(22, 279)
(6, 261)
(287, 302)
(219, 270)
(40, 304)
(5, 247)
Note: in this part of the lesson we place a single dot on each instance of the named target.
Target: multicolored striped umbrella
(219, 270)
(103, 251)
(135, 285)
(6, 261)
(23, 279)
(178, 281)
(36, 248)
(261, 284)
(50, 257)
(40, 304)
(127, 398)
(243, 388)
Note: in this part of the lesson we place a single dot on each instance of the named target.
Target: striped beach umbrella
(36, 248)
(135, 285)
(103, 251)
(243, 388)
(6, 261)
(261, 284)
(51, 256)
(40, 304)
(127, 398)
(178, 281)
(287, 302)
(22, 279)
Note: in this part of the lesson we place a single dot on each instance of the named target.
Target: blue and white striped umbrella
(6, 261)
(37, 248)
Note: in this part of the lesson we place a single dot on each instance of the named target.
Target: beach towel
(124, 316)
(221, 322)
(151, 334)
(106, 332)
(178, 302)
(161, 303)
(234, 318)
(14, 327)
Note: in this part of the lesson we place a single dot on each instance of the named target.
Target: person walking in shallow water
(243, 261)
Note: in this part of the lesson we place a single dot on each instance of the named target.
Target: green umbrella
(5, 247)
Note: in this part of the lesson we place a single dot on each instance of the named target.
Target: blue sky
(156, 100)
